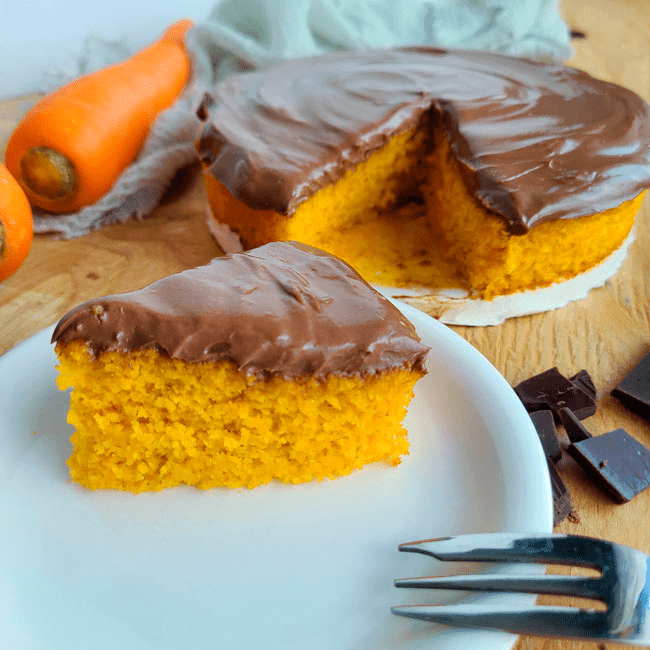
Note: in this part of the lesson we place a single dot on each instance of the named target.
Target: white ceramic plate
(307, 567)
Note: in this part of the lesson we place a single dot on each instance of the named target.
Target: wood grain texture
(606, 333)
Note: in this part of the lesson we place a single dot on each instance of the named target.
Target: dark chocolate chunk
(616, 462)
(634, 390)
(576, 33)
(582, 379)
(562, 504)
(573, 427)
(546, 430)
(552, 390)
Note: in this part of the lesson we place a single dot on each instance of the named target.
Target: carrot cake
(278, 363)
(428, 167)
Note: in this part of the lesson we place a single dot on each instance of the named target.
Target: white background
(37, 36)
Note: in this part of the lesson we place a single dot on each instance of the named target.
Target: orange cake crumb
(146, 422)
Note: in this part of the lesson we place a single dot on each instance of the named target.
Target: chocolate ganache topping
(535, 141)
(284, 309)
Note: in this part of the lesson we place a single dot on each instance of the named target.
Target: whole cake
(280, 363)
(427, 167)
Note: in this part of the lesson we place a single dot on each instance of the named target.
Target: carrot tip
(47, 173)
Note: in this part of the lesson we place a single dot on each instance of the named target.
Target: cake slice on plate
(279, 363)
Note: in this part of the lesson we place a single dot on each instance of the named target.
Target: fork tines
(622, 586)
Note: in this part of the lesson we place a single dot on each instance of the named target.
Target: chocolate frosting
(284, 309)
(535, 141)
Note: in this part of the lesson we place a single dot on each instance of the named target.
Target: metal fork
(624, 586)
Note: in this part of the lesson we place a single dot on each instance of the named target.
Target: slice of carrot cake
(279, 363)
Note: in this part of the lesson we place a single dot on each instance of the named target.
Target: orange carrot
(73, 144)
(15, 224)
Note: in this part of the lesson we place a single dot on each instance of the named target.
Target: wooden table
(606, 333)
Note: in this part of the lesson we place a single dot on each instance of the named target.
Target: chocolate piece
(634, 390)
(545, 425)
(283, 309)
(551, 390)
(616, 462)
(573, 427)
(582, 379)
(276, 136)
(562, 503)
